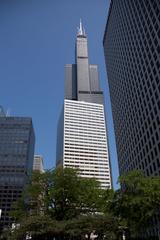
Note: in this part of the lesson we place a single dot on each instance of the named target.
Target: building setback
(16, 161)
(132, 54)
(81, 136)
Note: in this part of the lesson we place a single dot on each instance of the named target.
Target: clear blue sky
(37, 38)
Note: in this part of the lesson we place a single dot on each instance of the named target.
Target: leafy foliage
(62, 205)
(137, 202)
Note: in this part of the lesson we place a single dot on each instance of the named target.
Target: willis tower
(81, 137)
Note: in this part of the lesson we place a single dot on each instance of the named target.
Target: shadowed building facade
(16, 161)
(81, 137)
(132, 55)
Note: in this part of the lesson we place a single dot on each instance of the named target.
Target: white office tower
(85, 141)
(81, 136)
(38, 163)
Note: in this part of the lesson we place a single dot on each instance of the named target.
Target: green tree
(137, 202)
(83, 227)
(63, 205)
(70, 195)
(34, 200)
(38, 227)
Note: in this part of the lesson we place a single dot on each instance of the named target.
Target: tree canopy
(137, 202)
(62, 205)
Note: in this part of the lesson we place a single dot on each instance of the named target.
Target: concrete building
(81, 137)
(16, 161)
(132, 55)
(38, 163)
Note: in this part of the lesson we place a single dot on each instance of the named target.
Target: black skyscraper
(16, 161)
(132, 54)
(81, 79)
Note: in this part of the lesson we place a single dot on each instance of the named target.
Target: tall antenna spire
(80, 27)
(81, 30)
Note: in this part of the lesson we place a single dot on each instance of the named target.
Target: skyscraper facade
(16, 161)
(132, 54)
(82, 139)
